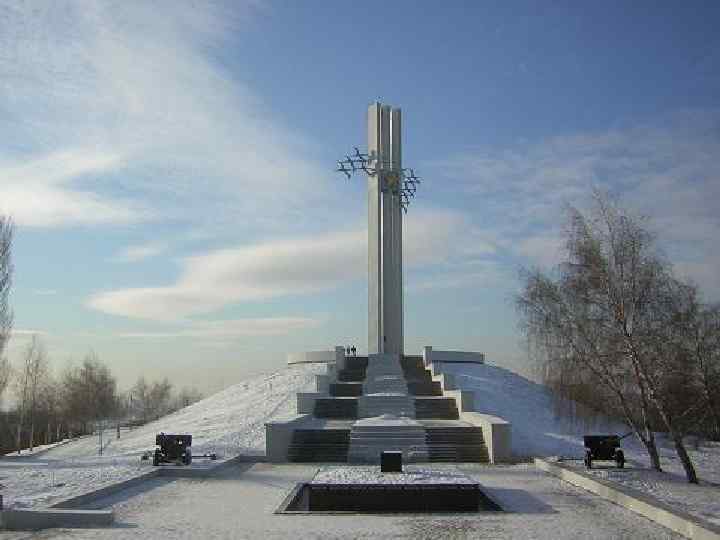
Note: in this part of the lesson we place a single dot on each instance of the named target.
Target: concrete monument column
(385, 286)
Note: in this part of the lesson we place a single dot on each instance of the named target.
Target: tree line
(614, 328)
(48, 405)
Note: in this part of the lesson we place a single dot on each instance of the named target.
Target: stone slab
(35, 520)
(193, 471)
(388, 420)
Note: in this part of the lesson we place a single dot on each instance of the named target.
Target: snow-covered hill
(229, 423)
(540, 423)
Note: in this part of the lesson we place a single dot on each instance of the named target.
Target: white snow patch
(412, 474)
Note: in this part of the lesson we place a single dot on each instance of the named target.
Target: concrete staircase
(453, 444)
(419, 380)
(370, 437)
(319, 445)
(393, 404)
(384, 375)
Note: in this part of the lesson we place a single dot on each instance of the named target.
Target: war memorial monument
(387, 400)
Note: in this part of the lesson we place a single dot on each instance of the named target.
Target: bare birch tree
(37, 380)
(140, 399)
(615, 311)
(6, 317)
(89, 392)
(22, 388)
(702, 345)
(159, 397)
(28, 387)
(5, 371)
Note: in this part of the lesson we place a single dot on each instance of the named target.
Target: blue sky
(170, 165)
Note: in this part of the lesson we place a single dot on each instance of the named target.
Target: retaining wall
(35, 520)
(455, 357)
(309, 357)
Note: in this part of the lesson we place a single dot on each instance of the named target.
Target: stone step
(346, 389)
(373, 412)
(376, 384)
(412, 362)
(455, 454)
(356, 362)
(453, 444)
(436, 407)
(454, 435)
(336, 408)
(351, 375)
(319, 445)
(399, 434)
(377, 405)
(370, 437)
(371, 455)
(424, 388)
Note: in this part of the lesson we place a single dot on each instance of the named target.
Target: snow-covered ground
(240, 503)
(232, 422)
(228, 423)
(538, 430)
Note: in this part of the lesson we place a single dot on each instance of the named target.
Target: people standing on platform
(353, 350)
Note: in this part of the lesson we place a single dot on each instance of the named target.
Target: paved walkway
(240, 504)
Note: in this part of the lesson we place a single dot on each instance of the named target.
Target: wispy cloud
(224, 330)
(473, 274)
(666, 169)
(283, 267)
(37, 191)
(119, 113)
(140, 252)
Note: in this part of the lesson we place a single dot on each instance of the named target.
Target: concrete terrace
(240, 503)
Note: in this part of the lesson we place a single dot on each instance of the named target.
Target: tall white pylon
(385, 287)
(390, 188)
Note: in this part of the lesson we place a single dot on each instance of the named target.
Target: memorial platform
(363, 489)
(366, 405)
